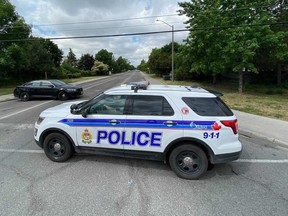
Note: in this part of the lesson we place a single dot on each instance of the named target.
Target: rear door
(151, 124)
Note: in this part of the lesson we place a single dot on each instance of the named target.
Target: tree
(123, 64)
(143, 66)
(71, 58)
(56, 53)
(217, 50)
(105, 57)
(100, 68)
(86, 62)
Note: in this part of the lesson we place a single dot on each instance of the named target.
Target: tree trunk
(214, 78)
(279, 71)
(240, 89)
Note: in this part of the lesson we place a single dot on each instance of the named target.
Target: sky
(70, 18)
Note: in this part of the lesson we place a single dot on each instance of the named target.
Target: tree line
(229, 38)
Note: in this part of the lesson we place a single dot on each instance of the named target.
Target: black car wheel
(57, 147)
(24, 96)
(188, 161)
(62, 95)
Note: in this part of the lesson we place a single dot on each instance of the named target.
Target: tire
(62, 95)
(188, 161)
(57, 147)
(24, 96)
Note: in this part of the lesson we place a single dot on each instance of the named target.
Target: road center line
(24, 110)
(21, 151)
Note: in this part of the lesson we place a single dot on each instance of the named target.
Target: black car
(47, 88)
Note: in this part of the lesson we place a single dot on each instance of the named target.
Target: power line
(110, 20)
(149, 33)
(114, 27)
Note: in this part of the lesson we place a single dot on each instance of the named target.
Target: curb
(261, 136)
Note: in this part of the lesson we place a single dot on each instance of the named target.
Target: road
(31, 184)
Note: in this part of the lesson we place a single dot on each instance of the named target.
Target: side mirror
(51, 86)
(84, 112)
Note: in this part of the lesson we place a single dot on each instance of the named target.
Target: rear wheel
(57, 147)
(24, 96)
(188, 161)
(62, 95)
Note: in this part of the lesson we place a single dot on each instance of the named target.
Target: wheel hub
(57, 146)
(188, 161)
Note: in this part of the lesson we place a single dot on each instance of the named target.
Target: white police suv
(189, 127)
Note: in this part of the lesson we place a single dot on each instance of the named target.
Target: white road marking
(260, 161)
(24, 110)
(21, 151)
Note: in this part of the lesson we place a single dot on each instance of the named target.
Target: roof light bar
(139, 85)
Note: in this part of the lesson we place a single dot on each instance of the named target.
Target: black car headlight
(71, 90)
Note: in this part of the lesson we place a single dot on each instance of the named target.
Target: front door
(104, 125)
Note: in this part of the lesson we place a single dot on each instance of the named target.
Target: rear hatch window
(208, 106)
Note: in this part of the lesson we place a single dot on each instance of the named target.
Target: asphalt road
(31, 184)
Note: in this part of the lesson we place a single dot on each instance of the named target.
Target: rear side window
(151, 105)
(208, 106)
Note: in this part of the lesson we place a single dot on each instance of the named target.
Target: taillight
(233, 124)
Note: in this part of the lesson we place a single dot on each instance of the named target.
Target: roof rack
(139, 85)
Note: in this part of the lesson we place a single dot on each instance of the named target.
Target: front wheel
(24, 96)
(62, 95)
(57, 147)
(188, 161)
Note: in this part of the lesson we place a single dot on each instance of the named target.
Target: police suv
(189, 127)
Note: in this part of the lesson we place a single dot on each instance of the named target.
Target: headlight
(39, 120)
(71, 90)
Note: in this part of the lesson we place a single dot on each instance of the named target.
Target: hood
(59, 111)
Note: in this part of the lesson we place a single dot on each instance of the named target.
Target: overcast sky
(66, 18)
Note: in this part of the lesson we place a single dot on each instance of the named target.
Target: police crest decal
(86, 137)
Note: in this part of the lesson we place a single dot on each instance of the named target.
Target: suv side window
(46, 83)
(35, 84)
(110, 104)
(150, 105)
(208, 106)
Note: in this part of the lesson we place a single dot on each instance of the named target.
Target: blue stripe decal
(139, 123)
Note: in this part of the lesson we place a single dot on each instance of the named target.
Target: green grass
(6, 90)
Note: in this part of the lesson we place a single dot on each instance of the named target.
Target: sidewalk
(273, 130)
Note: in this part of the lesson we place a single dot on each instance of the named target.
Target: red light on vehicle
(233, 124)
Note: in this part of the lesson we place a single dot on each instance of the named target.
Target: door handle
(114, 121)
(170, 123)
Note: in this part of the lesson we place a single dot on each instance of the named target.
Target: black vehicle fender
(46, 132)
(184, 140)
